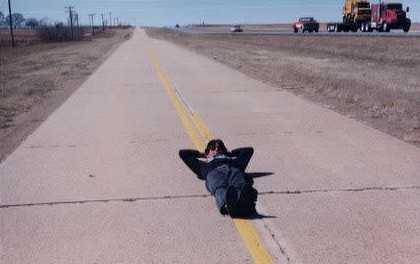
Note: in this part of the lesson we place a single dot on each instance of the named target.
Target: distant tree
(17, 19)
(45, 21)
(32, 22)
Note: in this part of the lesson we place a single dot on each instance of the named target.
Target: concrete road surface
(100, 180)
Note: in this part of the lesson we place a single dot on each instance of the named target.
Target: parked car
(306, 24)
(236, 28)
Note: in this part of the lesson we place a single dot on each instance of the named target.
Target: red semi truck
(387, 16)
(363, 16)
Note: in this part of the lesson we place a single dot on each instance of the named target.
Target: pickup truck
(306, 24)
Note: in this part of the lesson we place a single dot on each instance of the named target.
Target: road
(289, 32)
(100, 180)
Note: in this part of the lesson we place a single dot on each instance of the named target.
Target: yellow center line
(200, 135)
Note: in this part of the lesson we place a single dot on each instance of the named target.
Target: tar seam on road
(199, 134)
(361, 189)
(54, 146)
(135, 199)
(191, 196)
(276, 241)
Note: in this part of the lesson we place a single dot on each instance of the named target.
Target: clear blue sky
(170, 12)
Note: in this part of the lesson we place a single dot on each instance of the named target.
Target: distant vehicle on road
(236, 28)
(387, 16)
(306, 24)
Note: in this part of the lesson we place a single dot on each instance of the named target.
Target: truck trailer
(356, 16)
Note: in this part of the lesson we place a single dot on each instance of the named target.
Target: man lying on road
(224, 173)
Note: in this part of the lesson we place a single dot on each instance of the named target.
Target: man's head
(215, 147)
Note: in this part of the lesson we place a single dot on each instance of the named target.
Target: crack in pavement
(276, 241)
(54, 146)
(166, 197)
(362, 189)
(187, 196)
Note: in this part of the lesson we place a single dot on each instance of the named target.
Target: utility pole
(11, 25)
(91, 18)
(103, 22)
(110, 19)
(70, 8)
(76, 17)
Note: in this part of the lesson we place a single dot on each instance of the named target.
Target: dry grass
(35, 79)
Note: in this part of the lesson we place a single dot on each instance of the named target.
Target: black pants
(219, 179)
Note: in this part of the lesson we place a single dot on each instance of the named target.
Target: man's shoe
(246, 202)
(223, 210)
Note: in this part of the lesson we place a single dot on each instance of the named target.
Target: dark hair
(216, 144)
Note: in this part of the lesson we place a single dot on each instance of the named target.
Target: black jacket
(238, 158)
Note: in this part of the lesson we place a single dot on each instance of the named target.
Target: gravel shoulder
(372, 79)
(36, 79)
